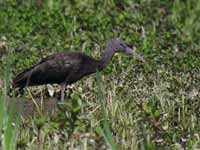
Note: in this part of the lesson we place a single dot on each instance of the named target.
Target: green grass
(106, 129)
(147, 106)
(9, 123)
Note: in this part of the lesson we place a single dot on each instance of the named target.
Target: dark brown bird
(65, 68)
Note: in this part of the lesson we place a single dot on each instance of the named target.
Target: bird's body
(57, 68)
(65, 68)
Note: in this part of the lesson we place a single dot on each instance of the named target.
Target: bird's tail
(22, 79)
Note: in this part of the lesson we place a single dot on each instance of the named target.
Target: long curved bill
(132, 52)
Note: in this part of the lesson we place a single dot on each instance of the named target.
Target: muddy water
(33, 107)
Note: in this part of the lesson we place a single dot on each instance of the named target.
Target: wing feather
(52, 69)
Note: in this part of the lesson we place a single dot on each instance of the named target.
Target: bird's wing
(52, 69)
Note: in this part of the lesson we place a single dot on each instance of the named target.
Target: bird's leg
(63, 85)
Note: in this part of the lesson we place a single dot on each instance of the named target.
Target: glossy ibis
(67, 67)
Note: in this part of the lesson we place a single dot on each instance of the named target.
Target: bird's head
(120, 46)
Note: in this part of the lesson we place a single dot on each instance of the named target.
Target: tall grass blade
(106, 129)
(3, 115)
(3, 109)
(9, 121)
(10, 127)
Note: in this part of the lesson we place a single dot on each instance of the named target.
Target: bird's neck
(107, 56)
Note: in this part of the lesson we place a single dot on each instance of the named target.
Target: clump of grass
(9, 121)
(106, 125)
